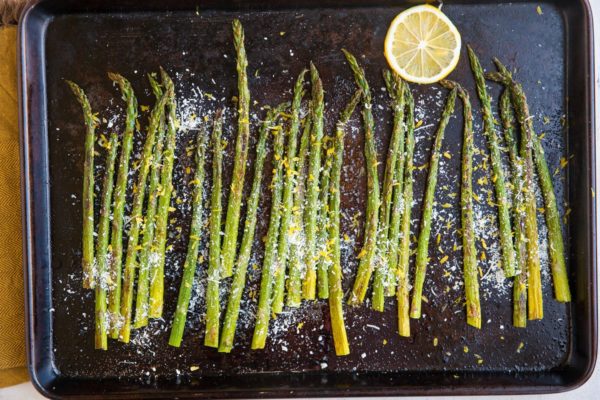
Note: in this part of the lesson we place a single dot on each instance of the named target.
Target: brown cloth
(12, 313)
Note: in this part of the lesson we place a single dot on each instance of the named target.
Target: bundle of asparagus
(520, 281)
(389, 229)
(136, 218)
(263, 313)
(302, 257)
(530, 152)
(291, 164)
(239, 278)
(113, 309)
(157, 261)
(489, 131)
(141, 301)
(241, 154)
(116, 240)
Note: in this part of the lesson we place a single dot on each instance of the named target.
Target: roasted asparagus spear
(405, 202)
(102, 243)
(428, 201)
(388, 238)
(91, 121)
(191, 258)
(323, 258)
(213, 304)
(157, 259)
(365, 268)
(312, 184)
(234, 204)
(555, 237)
(336, 292)
(470, 269)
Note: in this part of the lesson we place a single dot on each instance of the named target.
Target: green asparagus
(234, 204)
(422, 258)
(323, 259)
(191, 258)
(367, 254)
(314, 164)
(291, 164)
(388, 238)
(213, 304)
(136, 220)
(294, 289)
(91, 121)
(396, 203)
(141, 301)
(405, 202)
(263, 313)
(535, 305)
(489, 129)
(102, 243)
(336, 292)
(520, 281)
(466, 203)
(556, 246)
(157, 258)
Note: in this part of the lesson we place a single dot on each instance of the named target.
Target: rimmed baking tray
(551, 46)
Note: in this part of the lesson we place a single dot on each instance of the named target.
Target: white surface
(588, 391)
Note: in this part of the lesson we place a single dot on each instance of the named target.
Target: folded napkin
(12, 313)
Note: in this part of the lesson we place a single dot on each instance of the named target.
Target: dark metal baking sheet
(68, 39)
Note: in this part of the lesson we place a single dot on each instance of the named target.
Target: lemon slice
(422, 45)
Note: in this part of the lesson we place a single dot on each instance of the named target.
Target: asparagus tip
(447, 84)
(72, 85)
(314, 72)
(116, 77)
(238, 32)
(78, 92)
